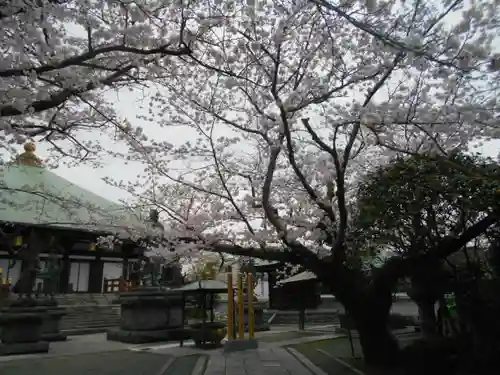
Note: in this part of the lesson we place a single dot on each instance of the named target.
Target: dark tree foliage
(409, 207)
(413, 203)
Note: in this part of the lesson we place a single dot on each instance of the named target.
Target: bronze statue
(50, 274)
(249, 268)
(135, 273)
(28, 254)
(172, 275)
(149, 272)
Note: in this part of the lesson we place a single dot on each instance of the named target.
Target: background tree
(410, 205)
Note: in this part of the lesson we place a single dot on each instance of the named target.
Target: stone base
(58, 336)
(24, 348)
(142, 337)
(239, 345)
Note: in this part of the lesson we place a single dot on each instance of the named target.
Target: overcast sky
(128, 105)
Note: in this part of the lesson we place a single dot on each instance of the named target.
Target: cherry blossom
(61, 57)
(292, 102)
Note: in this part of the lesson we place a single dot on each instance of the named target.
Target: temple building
(71, 220)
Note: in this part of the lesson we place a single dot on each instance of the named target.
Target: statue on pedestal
(171, 275)
(149, 272)
(28, 254)
(51, 273)
(245, 269)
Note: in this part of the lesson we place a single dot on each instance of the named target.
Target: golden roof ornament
(28, 157)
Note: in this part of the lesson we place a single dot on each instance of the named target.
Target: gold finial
(28, 157)
(30, 147)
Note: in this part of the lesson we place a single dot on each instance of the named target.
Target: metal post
(302, 318)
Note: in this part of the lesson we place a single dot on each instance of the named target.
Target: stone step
(93, 324)
(87, 325)
(91, 314)
(80, 317)
(85, 299)
(90, 319)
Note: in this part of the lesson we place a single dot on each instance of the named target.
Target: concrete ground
(118, 362)
(94, 355)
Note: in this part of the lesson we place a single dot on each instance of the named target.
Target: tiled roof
(34, 195)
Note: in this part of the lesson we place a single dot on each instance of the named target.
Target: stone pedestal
(51, 325)
(21, 332)
(149, 315)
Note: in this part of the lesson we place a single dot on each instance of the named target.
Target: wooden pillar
(230, 308)
(241, 309)
(250, 312)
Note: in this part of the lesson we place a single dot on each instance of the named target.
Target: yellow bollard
(230, 307)
(251, 315)
(241, 310)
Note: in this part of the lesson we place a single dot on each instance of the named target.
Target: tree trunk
(370, 313)
(380, 346)
(428, 318)
(368, 306)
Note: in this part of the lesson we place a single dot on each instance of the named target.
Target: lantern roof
(303, 276)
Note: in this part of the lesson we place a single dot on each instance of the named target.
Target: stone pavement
(263, 361)
(110, 363)
(267, 360)
(94, 355)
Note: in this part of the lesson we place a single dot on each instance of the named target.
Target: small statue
(150, 272)
(28, 254)
(172, 275)
(135, 273)
(245, 269)
(154, 219)
(51, 273)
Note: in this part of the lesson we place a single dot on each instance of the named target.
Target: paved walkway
(94, 355)
(123, 362)
(263, 361)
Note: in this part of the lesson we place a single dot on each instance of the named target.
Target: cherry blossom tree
(59, 58)
(409, 205)
(291, 102)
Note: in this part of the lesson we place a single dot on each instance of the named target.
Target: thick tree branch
(398, 267)
(63, 95)
(79, 59)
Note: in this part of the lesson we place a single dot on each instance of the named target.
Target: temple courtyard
(93, 354)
